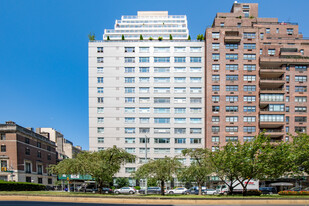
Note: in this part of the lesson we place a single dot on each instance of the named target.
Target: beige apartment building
(256, 77)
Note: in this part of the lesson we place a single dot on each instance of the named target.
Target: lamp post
(146, 185)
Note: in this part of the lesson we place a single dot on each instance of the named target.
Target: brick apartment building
(25, 155)
(256, 77)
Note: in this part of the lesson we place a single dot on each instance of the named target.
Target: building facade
(146, 89)
(25, 155)
(256, 77)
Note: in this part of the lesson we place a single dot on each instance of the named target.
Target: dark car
(151, 190)
(268, 190)
(295, 189)
(194, 191)
(107, 190)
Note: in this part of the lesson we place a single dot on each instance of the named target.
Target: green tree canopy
(91, 36)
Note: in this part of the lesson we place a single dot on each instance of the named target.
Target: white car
(211, 192)
(125, 190)
(179, 190)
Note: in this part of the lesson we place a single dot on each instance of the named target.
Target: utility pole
(146, 184)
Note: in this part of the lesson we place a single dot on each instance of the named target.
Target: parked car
(125, 190)
(151, 190)
(295, 189)
(211, 192)
(305, 189)
(179, 190)
(107, 190)
(268, 190)
(194, 191)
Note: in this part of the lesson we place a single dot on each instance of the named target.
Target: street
(29, 203)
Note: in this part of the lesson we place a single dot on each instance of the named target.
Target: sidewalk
(156, 201)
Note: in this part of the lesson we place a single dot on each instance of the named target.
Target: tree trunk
(231, 189)
(100, 187)
(162, 187)
(199, 188)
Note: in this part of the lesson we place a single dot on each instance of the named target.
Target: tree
(189, 37)
(171, 37)
(122, 37)
(122, 182)
(141, 37)
(199, 169)
(161, 170)
(200, 37)
(101, 165)
(160, 38)
(108, 38)
(150, 38)
(300, 153)
(91, 36)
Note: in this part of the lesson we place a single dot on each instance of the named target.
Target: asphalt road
(29, 203)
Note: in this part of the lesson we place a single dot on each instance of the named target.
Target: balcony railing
(272, 79)
(272, 130)
(271, 68)
(275, 89)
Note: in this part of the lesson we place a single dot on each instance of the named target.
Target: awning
(280, 184)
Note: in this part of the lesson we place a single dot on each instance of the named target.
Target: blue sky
(44, 54)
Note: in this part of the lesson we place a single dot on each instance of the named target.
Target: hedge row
(293, 193)
(20, 186)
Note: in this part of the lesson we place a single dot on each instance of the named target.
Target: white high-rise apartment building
(140, 88)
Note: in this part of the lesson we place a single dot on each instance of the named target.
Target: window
(195, 100)
(100, 148)
(248, 138)
(129, 169)
(196, 120)
(249, 78)
(249, 35)
(300, 119)
(195, 110)
(300, 68)
(100, 70)
(215, 119)
(249, 98)
(162, 120)
(300, 99)
(195, 130)
(195, 69)
(144, 79)
(249, 67)
(144, 110)
(129, 109)
(128, 70)
(215, 129)
(179, 150)
(289, 31)
(300, 109)
(162, 79)
(246, 13)
(195, 59)
(231, 98)
(161, 150)
(261, 51)
(179, 49)
(144, 59)
(300, 78)
(162, 130)
(216, 56)
(249, 46)
(144, 69)
(129, 79)
(179, 90)
(231, 46)
(180, 69)
(129, 130)
(27, 140)
(162, 90)
(129, 90)
(100, 130)
(129, 59)
(271, 51)
(143, 90)
(300, 89)
(2, 137)
(181, 110)
(267, 30)
(231, 56)
(180, 130)
(179, 120)
(100, 49)
(179, 100)
(195, 49)
(215, 67)
(100, 90)
(215, 139)
(215, 77)
(215, 35)
(129, 49)
(144, 49)
(3, 148)
(231, 108)
(231, 129)
(215, 46)
(162, 140)
(249, 56)
(195, 140)
(231, 77)
(100, 120)
(262, 36)
(28, 167)
(100, 59)
(100, 80)
(144, 131)
(231, 118)
(231, 139)
(195, 79)
(215, 88)
(271, 97)
(215, 98)
(100, 139)
(249, 118)
(161, 49)
(162, 100)
(215, 108)
(301, 129)
(180, 79)
(249, 129)
(276, 107)
(195, 90)
(180, 59)
(214, 148)
(249, 108)
(40, 171)
(161, 69)
(180, 140)
(129, 99)
(249, 88)
(231, 88)
(161, 59)
(144, 100)
(231, 67)
(129, 120)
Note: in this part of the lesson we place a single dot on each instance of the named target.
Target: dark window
(40, 169)
(215, 108)
(40, 180)
(3, 148)
(27, 151)
(38, 144)
(27, 140)
(48, 148)
(50, 181)
(39, 154)
(49, 157)
(28, 179)
(2, 137)
(28, 167)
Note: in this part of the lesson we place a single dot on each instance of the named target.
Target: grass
(77, 194)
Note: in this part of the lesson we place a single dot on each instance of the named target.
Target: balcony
(271, 71)
(271, 123)
(272, 83)
(267, 111)
(278, 61)
(232, 37)
(273, 132)
(272, 90)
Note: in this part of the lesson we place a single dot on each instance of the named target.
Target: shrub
(171, 37)
(150, 38)
(137, 187)
(254, 193)
(122, 37)
(293, 193)
(108, 38)
(189, 37)
(141, 37)
(20, 186)
(160, 38)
